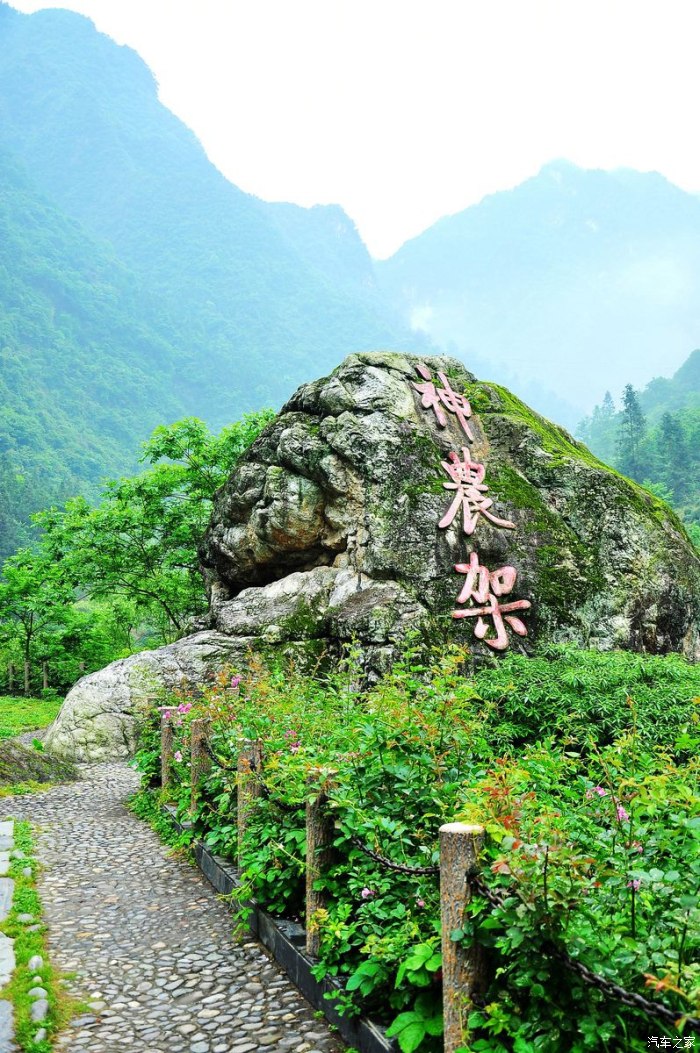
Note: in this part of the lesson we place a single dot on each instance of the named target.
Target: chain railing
(464, 966)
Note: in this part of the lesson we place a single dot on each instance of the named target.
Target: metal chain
(497, 899)
(219, 763)
(389, 864)
(607, 987)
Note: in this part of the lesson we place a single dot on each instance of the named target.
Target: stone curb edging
(286, 941)
(7, 952)
(38, 994)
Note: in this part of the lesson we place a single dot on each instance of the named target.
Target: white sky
(405, 110)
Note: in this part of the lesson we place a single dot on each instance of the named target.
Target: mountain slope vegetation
(138, 284)
(244, 283)
(82, 374)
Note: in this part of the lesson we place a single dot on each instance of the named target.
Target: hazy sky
(405, 110)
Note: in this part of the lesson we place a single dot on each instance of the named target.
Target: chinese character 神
(435, 398)
(485, 587)
(470, 493)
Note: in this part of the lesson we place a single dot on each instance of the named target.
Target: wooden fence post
(11, 677)
(250, 786)
(463, 968)
(26, 678)
(200, 761)
(167, 739)
(45, 675)
(319, 850)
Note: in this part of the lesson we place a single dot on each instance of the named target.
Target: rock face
(101, 715)
(378, 504)
(21, 763)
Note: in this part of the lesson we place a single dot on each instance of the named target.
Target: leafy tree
(34, 594)
(141, 541)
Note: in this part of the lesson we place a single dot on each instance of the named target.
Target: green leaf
(401, 1021)
(411, 1037)
(434, 1025)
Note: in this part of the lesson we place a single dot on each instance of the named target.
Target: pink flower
(295, 747)
(367, 893)
(184, 707)
(177, 755)
(622, 814)
(596, 790)
(235, 681)
(634, 884)
(166, 714)
(638, 846)
(420, 902)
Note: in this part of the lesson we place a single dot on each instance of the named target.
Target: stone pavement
(147, 938)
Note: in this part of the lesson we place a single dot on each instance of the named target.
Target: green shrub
(581, 766)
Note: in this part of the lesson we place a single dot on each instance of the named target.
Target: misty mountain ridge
(580, 280)
(137, 284)
(243, 282)
(141, 285)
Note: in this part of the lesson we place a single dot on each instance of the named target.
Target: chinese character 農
(485, 588)
(467, 480)
(435, 398)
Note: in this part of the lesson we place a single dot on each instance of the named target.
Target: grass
(19, 714)
(27, 945)
(18, 789)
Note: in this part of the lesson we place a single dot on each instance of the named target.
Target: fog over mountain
(576, 281)
(137, 284)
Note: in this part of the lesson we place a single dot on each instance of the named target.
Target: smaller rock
(38, 992)
(38, 1010)
(35, 964)
(25, 919)
(40, 1035)
(17, 854)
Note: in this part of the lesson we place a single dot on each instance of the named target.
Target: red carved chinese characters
(470, 494)
(482, 588)
(485, 587)
(435, 398)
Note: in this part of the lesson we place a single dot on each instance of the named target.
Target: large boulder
(398, 497)
(101, 716)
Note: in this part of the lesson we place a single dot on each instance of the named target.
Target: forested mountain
(577, 281)
(138, 283)
(82, 374)
(654, 436)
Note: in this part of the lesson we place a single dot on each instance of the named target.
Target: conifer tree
(630, 436)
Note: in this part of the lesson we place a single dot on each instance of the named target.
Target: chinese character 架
(433, 397)
(486, 587)
(470, 494)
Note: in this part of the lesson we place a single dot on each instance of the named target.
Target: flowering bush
(589, 800)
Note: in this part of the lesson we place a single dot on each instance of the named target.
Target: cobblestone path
(148, 939)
